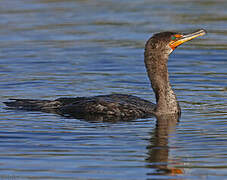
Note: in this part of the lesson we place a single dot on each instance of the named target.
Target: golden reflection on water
(158, 150)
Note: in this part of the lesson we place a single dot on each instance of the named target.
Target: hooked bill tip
(203, 31)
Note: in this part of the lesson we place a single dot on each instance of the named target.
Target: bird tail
(32, 104)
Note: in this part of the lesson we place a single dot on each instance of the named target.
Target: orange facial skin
(180, 38)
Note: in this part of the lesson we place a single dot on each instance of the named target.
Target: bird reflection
(158, 150)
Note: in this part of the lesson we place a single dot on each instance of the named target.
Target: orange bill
(180, 39)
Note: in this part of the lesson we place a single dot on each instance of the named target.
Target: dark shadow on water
(158, 150)
(83, 116)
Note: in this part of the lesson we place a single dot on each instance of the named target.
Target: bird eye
(173, 37)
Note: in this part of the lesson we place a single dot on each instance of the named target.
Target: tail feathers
(33, 105)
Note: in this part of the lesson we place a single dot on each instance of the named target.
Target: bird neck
(166, 101)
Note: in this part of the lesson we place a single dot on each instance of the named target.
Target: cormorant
(122, 106)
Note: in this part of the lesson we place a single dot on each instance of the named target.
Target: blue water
(52, 48)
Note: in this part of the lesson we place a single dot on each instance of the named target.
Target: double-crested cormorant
(121, 106)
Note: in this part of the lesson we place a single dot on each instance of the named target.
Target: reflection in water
(158, 150)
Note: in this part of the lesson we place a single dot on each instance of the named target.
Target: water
(52, 48)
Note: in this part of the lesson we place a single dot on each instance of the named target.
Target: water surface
(52, 48)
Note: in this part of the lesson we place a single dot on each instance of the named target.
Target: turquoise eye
(173, 37)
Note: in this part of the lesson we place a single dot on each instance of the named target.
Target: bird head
(166, 42)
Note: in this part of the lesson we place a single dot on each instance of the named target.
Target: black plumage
(121, 106)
